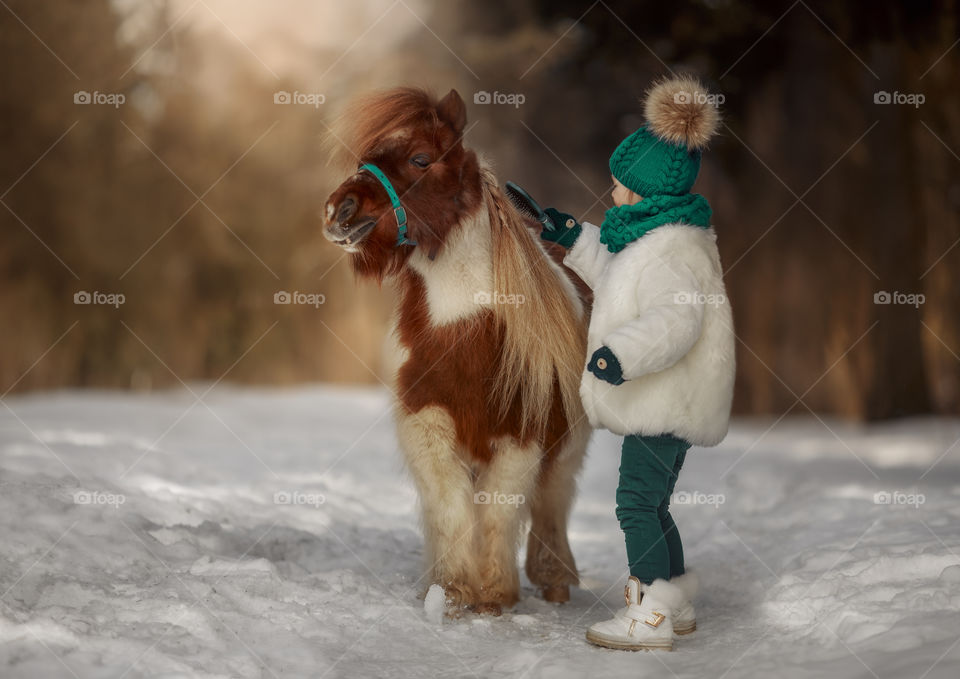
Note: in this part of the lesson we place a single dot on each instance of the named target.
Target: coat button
(571, 223)
(602, 363)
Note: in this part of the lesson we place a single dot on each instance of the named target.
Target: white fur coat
(660, 305)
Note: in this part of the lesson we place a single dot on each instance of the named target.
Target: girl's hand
(604, 365)
(567, 228)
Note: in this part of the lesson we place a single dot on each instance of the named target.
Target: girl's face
(622, 195)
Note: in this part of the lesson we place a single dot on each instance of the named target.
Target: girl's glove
(567, 229)
(604, 365)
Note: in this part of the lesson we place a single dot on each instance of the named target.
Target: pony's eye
(421, 160)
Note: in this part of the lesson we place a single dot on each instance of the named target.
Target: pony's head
(415, 141)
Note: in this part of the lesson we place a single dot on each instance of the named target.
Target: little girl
(661, 341)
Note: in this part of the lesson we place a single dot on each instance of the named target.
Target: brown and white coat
(484, 353)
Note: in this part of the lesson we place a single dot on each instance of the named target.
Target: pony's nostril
(346, 209)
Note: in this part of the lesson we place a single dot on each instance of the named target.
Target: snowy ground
(141, 541)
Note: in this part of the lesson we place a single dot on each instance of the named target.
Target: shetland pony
(485, 351)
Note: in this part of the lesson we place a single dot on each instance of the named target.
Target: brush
(528, 206)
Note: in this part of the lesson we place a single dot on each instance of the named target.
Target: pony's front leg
(444, 484)
(504, 488)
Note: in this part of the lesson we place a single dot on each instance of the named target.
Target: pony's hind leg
(550, 564)
(504, 488)
(445, 486)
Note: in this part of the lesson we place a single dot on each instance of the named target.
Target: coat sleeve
(588, 257)
(667, 328)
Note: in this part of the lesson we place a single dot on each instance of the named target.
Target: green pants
(649, 466)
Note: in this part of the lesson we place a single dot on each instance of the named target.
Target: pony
(484, 353)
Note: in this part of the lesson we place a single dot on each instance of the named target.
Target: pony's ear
(453, 111)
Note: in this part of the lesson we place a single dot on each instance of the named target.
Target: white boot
(684, 617)
(647, 621)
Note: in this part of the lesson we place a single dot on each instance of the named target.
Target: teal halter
(398, 210)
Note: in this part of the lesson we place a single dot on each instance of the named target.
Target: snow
(273, 533)
(434, 604)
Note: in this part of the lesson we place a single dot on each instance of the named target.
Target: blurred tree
(196, 199)
(822, 198)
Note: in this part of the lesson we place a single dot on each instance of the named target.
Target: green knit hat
(663, 156)
(649, 166)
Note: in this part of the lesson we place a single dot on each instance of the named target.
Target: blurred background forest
(197, 198)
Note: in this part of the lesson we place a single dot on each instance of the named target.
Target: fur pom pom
(681, 111)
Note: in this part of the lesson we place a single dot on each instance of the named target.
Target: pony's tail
(544, 333)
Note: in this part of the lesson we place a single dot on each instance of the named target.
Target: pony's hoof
(557, 594)
(489, 608)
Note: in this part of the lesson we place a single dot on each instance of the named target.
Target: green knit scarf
(624, 224)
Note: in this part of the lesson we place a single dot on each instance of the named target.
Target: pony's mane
(371, 119)
(545, 338)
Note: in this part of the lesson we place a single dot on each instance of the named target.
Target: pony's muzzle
(340, 228)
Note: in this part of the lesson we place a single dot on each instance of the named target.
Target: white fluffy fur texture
(445, 487)
(661, 306)
(680, 110)
(458, 280)
(689, 582)
(664, 593)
